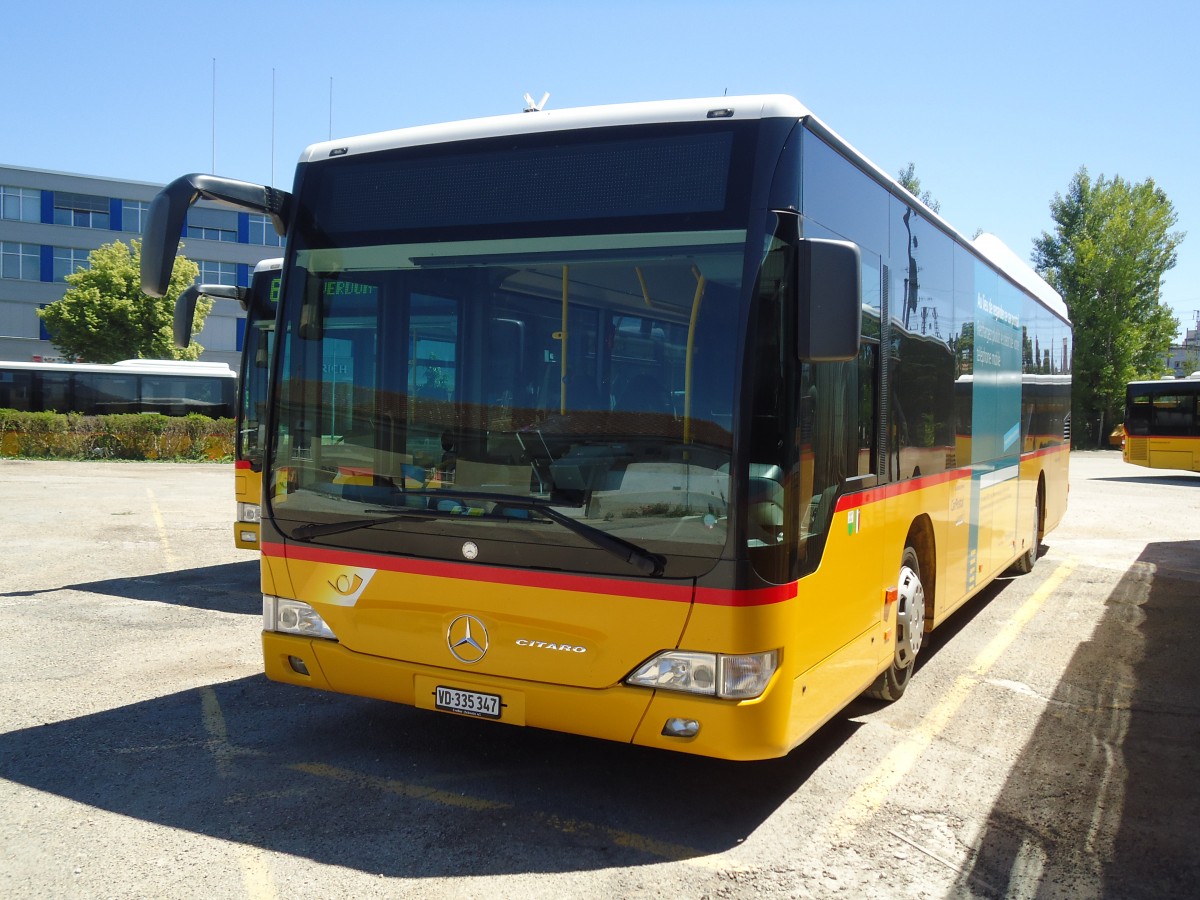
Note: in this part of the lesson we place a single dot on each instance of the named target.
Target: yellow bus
(639, 422)
(1162, 423)
(259, 301)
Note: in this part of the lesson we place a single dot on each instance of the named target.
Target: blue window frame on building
(133, 215)
(81, 210)
(68, 259)
(212, 272)
(212, 225)
(20, 204)
(20, 261)
(262, 232)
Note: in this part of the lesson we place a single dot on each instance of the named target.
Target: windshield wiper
(650, 564)
(643, 560)
(322, 529)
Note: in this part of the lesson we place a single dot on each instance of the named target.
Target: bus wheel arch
(920, 539)
(914, 603)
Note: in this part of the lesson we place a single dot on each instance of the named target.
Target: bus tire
(1024, 563)
(910, 630)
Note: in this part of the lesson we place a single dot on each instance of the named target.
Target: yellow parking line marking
(214, 724)
(630, 840)
(391, 786)
(256, 876)
(873, 791)
(162, 530)
(996, 647)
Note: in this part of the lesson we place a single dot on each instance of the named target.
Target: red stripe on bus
(241, 463)
(1046, 451)
(678, 593)
(675, 593)
(1162, 437)
(778, 593)
(874, 495)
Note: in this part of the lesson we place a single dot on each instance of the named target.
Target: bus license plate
(469, 703)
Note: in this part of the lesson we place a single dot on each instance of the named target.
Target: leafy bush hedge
(49, 435)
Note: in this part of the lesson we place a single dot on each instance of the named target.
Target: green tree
(1113, 243)
(909, 180)
(1191, 360)
(104, 316)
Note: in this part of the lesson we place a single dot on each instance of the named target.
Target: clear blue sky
(998, 104)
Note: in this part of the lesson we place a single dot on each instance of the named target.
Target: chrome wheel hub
(910, 617)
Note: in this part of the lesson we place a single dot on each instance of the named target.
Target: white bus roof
(1169, 381)
(998, 254)
(134, 366)
(547, 120)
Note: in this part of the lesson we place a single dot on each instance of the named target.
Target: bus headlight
(248, 512)
(731, 677)
(294, 617)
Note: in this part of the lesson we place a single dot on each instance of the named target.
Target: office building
(1184, 359)
(51, 221)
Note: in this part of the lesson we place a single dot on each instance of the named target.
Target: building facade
(1184, 359)
(51, 221)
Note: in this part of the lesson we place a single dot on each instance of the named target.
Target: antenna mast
(214, 116)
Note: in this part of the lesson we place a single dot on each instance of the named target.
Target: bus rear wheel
(910, 630)
(1024, 563)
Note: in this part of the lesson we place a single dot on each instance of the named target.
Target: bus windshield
(553, 319)
(594, 373)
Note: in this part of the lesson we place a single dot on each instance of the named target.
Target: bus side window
(16, 391)
(1138, 421)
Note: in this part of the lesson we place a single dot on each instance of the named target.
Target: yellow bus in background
(677, 424)
(259, 301)
(1162, 423)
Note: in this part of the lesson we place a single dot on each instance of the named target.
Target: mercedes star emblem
(467, 639)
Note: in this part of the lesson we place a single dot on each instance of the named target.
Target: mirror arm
(168, 213)
(185, 307)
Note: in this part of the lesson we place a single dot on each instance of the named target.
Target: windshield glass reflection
(593, 374)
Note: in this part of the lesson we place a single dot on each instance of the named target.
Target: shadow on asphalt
(400, 792)
(1168, 480)
(396, 791)
(230, 588)
(1107, 783)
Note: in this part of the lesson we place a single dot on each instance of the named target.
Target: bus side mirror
(828, 280)
(185, 307)
(185, 312)
(168, 212)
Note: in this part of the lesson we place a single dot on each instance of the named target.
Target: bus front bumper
(726, 729)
